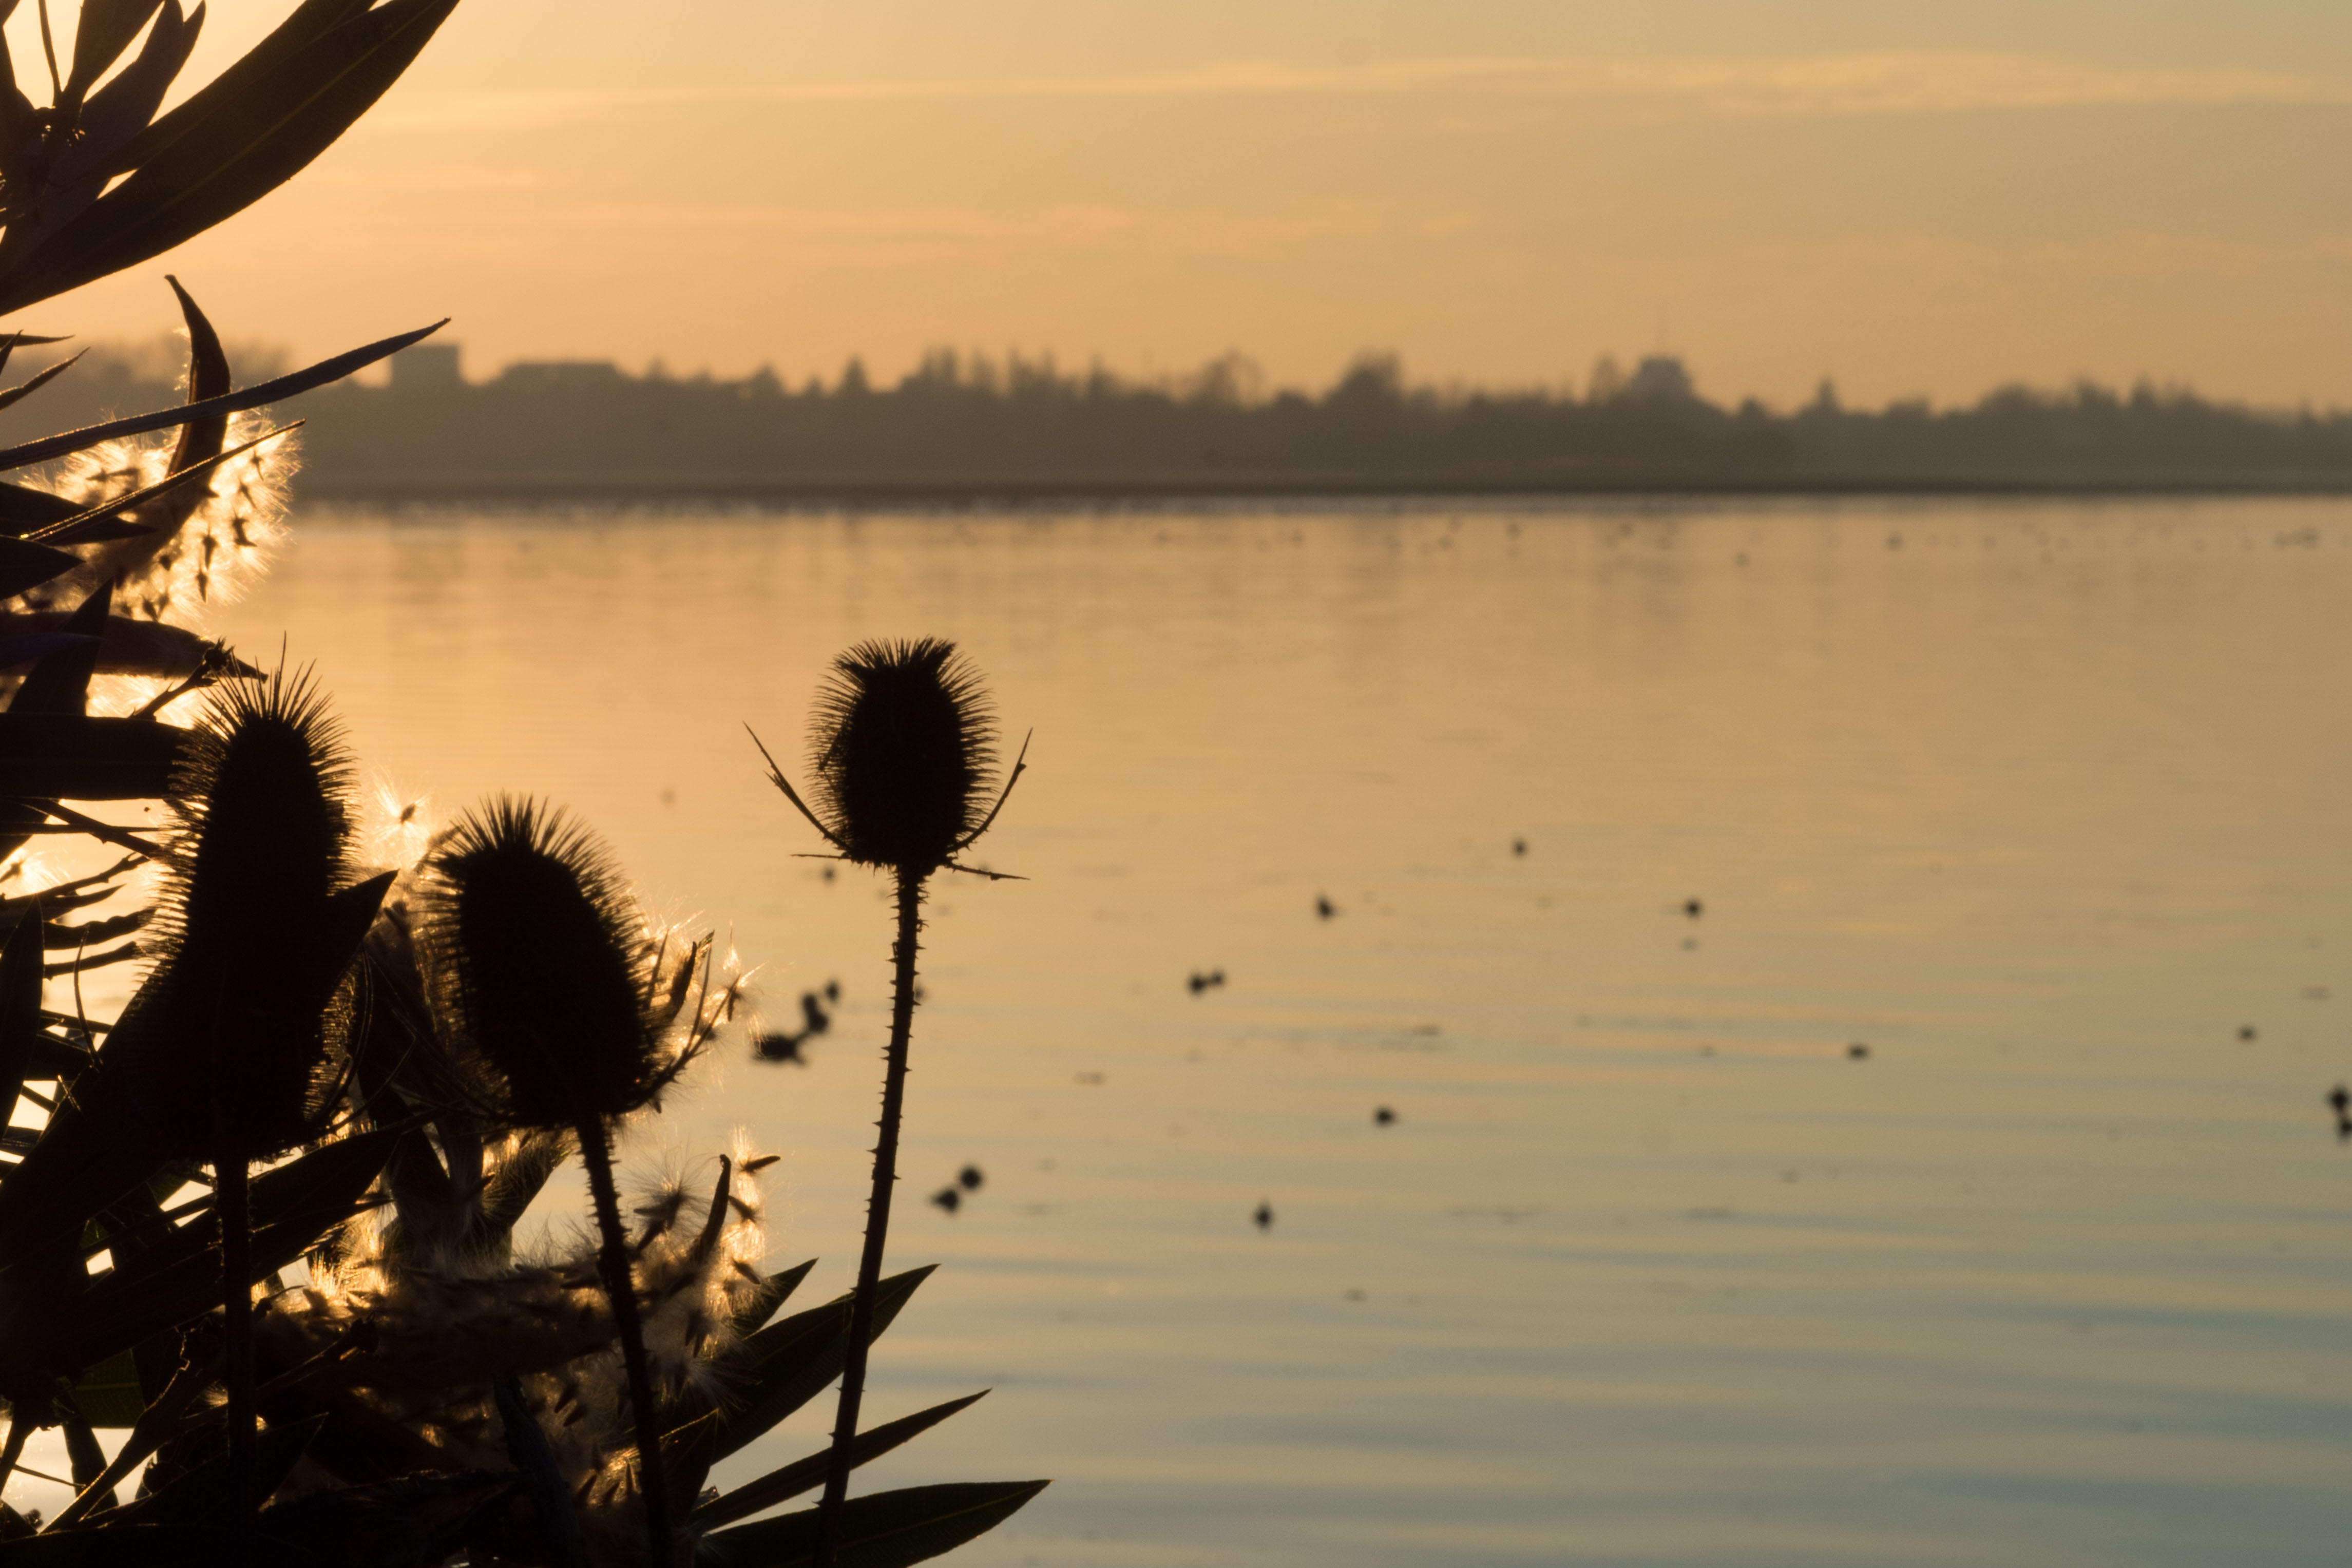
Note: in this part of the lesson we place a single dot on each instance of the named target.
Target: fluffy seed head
(902, 745)
(529, 945)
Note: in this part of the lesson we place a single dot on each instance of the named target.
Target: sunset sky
(1914, 196)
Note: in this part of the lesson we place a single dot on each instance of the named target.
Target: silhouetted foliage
(957, 425)
(438, 1392)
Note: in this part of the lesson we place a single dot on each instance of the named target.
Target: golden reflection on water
(2042, 804)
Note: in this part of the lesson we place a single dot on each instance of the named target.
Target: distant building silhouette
(1660, 378)
(570, 375)
(427, 367)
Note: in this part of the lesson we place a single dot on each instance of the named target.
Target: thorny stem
(229, 1192)
(877, 1220)
(622, 1290)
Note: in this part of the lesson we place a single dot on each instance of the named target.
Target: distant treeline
(963, 427)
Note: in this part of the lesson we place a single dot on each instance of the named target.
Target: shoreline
(951, 495)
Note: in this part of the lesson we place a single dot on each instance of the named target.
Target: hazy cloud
(1886, 82)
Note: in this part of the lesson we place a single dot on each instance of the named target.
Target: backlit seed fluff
(529, 946)
(902, 745)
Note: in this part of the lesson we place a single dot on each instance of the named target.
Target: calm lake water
(2043, 804)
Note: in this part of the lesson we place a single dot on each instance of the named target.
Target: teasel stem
(230, 1205)
(877, 1219)
(620, 1287)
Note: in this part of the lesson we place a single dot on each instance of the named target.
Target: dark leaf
(245, 148)
(268, 391)
(20, 1004)
(808, 1474)
(122, 108)
(130, 647)
(109, 1394)
(884, 1530)
(686, 1453)
(31, 646)
(202, 1494)
(24, 566)
(179, 1278)
(61, 682)
(106, 30)
(120, 1546)
(533, 1458)
(773, 1292)
(310, 21)
(17, 394)
(788, 1363)
(70, 756)
(208, 377)
(53, 1055)
(23, 509)
(411, 1522)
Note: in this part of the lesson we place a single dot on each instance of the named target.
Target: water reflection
(1651, 1258)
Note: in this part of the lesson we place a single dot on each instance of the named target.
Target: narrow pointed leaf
(122, 109)
(71, 756)
(788, 1363)
(208, 377)
(808, 1474)
(109, 1394)
(23, 508)
(20, 1005)
(129, 645)
(32, 385)
(256, 396)
(61, 682)
(24, 566)
(124, 1545)
(202, 1496)
(884, 1529)
(179, 1278)
(308, 22)
(773, 1292)
(404, 1523)
(245, 149)
(106, 30)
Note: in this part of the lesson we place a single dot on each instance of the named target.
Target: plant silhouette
(901, 746)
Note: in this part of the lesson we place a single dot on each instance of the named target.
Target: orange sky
(1915, 198)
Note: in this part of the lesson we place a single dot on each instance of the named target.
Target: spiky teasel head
(531, 952)
(256, 926)
(902, 744)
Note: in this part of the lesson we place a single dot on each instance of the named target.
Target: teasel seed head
(902, 745)
(531, 952)
(255, 927)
